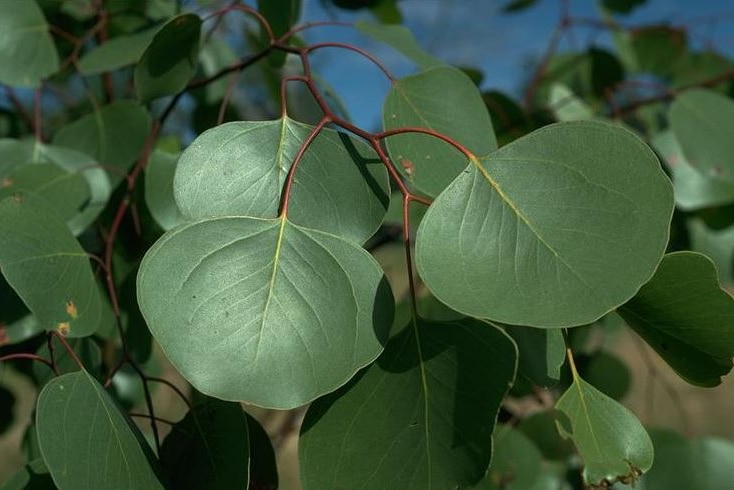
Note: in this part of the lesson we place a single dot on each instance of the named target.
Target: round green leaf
(555, 229)
(114, 135)
(419, 418)
(47, 267)
(87, 442)
(239, 168)
(718, 245)
(27, 49)
(86, 350)
(429, 163)
(208, 448)
(262, 310)
(700, 120)
(686, 317)
(169, 62)
(116, 53)
(566, 105)
(611, 441)
(400, 38)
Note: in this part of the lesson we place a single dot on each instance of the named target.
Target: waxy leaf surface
(170, 59)
(240, 168)
(686, 317)
(701, 121)
(576, 210)
(27, 49)
(611, 441)
(420, 418)
(116, 53)
(47, 267)
(159, 189)
(429, 163)
(87, 442)
(262, 310)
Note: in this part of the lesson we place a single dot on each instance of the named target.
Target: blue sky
(474, 33)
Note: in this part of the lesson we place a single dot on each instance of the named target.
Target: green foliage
(418, 286)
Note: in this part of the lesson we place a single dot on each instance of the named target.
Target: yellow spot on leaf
(71, 309)
(63, 328)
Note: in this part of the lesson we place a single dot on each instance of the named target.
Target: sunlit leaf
(169, 61)
(401, 39)
(700, 120)
(718, 245)
(566, 106)
(420, 418)
(429, 163)
(240, 168)
(87, 442)
(116, 53)
(27, 49)
(263, 311)
(47, 267)
(573, 210)
(209, 448)
(114, 136)
(686, 317)
(611, 442)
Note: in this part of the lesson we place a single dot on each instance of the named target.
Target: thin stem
(296, 161)
(358, 50)
(68, 348)
(149, 417)
(173, 387)
(30, 357)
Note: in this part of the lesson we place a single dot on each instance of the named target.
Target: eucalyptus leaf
(429, 163)
(116, 53)
(33, 476)
(169, 61)
(611, 441)
(209, 448)
(718, 245)
(420, 418)
(700, 120)
(542, 353)
(262, 310)
(239, 168)
(692, 189)
(566, 106)
(402, 40)
(113, 135)
(87, 442)
(686, 317)
(516, 464)
(27, 49)
(159, 189)
(573, 210)
(36, 248)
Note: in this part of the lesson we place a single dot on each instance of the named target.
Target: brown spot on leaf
(408, 167)
(71, 309)
(63, 328)
(7, 182)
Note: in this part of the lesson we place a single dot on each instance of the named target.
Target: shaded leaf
(540, 427)
(703, 463)
(542, 353)
(7, 408)
(263, 469)
(114, 135)
(608, 374)
(686, 317)
(208, 448)
(573, 210)
(27, 49)
(516, 462)
(159, 189)
(281, 16)
(401, 39)
(116, 53)
(611, 441)
(421, 417)
(700, 120)
(240, 168)
(87, 442)
(429, 163)
(657, 48)
(718, 245)
(518, 5)
(85, 348)
(622, 6)
(33, 476)
(694, 68)
(262, 310)
(169, 61)
(36, 248)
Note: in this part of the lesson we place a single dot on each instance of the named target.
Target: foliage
(408, 285)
